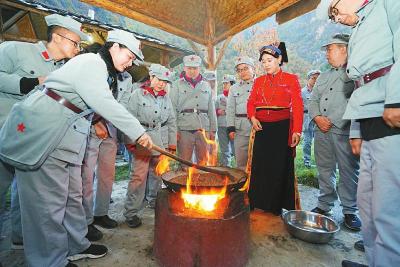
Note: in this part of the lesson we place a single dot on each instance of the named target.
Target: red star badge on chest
(21, 127)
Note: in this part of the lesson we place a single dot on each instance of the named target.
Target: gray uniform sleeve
(94, 90)
(173, 95)
(230, 110)
(355, 129)
(171, 123)
(392, 89)
(313, 103)
(211, 114)
(9, 81)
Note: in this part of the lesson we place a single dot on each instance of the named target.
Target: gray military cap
(129, 40)
(192, 61)
(209, 75)
(67, 23)
(228, 78)
(161, 72)
(312, 72)
(244, 60)
(338, 38)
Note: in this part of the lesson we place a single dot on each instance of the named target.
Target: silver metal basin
(309, 226)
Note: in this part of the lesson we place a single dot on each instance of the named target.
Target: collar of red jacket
(146, 87)
(225, 92)
(193, 82)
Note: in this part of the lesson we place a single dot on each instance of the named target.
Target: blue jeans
(308, 136)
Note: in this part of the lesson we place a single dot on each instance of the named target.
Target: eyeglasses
(333, 11)
(76, 44)
(242, 69)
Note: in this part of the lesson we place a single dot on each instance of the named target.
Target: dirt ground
(271, 245)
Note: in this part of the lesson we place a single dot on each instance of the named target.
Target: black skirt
(272, 169)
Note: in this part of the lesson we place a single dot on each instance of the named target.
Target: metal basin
(309, 226)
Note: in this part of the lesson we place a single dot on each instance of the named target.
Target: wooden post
(1, 26)
(164, 58)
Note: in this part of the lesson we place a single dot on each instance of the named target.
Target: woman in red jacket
(275, 109)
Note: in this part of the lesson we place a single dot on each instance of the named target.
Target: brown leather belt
(62, 100)
(372, 76)
(241, 115)
(194, 110)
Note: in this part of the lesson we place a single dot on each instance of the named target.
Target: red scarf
(146, 86)
(193, 82)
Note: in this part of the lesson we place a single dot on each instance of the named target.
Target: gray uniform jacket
(237, 105)
(156, 115)
(220, 104)
(18, 60)
(370, 99)
(329, 98)
(185, 97)
(125, 88)
(34, 121)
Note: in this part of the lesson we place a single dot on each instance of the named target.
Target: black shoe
(92, 252)
(17, 245)
(93, 234)
(322, 212)
(70, 264)
(111, 201)
(347, 263)
(352, 222)
(105, 221)
(134, 222)
(359, 245)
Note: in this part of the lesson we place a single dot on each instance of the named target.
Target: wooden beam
(14, 19)
(271, 7)
(211, 57)
(296, 10)
(222, 51)
(1, 26)
(152, 21)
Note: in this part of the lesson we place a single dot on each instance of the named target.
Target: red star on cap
(21, 127)
(192, 58)
(167, 74)
(240, 59)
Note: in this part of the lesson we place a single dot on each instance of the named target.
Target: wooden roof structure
(202, 21)
(207, 22)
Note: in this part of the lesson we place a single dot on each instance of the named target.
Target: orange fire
(162, 166)
(205, 201)
(211, 157)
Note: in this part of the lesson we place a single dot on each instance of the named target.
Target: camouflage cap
(67, 23)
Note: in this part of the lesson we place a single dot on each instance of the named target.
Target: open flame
(205, 201)
(212, 152)
(162, 166)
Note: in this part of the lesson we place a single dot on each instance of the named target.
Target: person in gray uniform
(193, 103)
(99, 163)
(239, 127)
(374, 109)
(331, 146)
(45, 136)
(225, 143)
(22, 67)
(153, 108)
(308, 123)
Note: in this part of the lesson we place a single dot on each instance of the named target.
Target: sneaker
(322, 212)
(105, 222)
(17, 245)
(134, 222)
(359, 245)
(347, 263)
(352, 222)
(70, 264)
(92, 252)
(93, 234)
